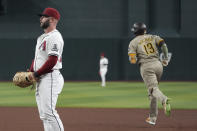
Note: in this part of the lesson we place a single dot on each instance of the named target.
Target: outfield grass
(115, 95)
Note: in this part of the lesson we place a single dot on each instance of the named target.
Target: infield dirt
(98, 119)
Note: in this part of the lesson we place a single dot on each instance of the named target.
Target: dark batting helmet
(138, 28)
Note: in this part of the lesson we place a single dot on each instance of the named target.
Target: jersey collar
(55, 30)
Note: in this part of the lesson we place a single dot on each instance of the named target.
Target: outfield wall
(81, 59)
(90, 27)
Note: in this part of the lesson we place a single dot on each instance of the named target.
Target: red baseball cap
(51, 12)
(102, 54)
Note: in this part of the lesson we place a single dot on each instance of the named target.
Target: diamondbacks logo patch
(43, 46)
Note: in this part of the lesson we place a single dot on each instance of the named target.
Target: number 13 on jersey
(149, 48)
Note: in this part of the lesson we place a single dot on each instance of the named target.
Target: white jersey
(103, 63)
(49, 44)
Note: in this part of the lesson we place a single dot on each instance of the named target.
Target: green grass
(115, 95)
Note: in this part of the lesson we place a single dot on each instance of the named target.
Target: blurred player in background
(143, 50)
(103, 69)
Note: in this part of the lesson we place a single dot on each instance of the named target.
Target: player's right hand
(164, 62)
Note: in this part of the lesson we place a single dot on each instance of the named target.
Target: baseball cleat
(167, 107)
(149, 121)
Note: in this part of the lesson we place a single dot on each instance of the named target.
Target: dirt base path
(83, 119)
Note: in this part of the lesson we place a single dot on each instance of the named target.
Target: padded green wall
(90, 27)
(81, 59)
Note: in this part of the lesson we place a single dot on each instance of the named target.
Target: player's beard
(46, 24)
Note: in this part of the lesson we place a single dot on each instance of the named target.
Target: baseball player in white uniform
(46, 66)
(103, 69)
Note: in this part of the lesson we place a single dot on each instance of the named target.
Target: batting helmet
(138, 28)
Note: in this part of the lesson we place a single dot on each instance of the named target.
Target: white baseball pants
(47, 91)
(103, 73)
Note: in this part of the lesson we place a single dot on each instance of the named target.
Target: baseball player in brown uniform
(143, 50)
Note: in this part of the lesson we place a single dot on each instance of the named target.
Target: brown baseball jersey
(145, 48)
(151, 69)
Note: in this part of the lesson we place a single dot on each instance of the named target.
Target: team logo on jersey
(54, 48)
(43, 46)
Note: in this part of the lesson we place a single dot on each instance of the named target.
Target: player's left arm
(106, 62)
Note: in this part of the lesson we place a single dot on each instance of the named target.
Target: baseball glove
(24, 79)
